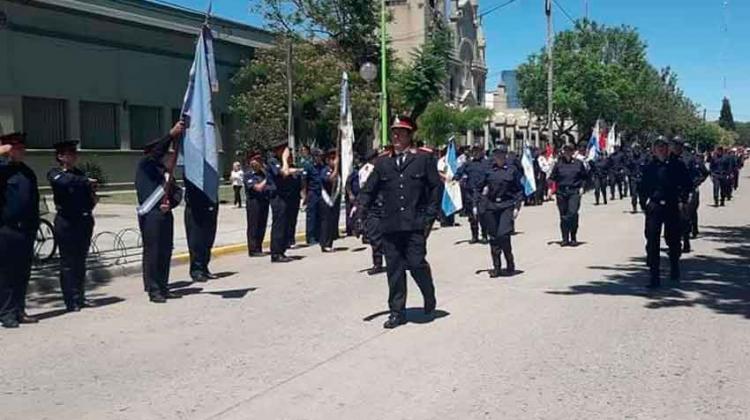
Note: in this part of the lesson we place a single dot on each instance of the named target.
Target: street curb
(184, 258)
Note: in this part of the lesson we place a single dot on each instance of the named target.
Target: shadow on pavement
(413, 315)
(233, 294)
(720, 283)
(98, 303)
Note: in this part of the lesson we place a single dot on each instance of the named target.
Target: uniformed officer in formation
(410, 186)
(601, 171)
(570, 175)
(470, 175)
(502, 194)
(296, 181)
(257, 194)
(311, 193)
(19, 221)
(75, 197)
(329, 206)
(279, 174)
(636, 162)
(698, 174)
(721, 170)
(618, 173)
(666, 186)
(201, 217)
(371, 223)
(158, 194)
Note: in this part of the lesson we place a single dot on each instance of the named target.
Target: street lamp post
(383, 77)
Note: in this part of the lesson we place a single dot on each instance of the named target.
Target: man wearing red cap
(410, 186)
(19, 221)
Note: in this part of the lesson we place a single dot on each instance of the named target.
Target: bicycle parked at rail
(45, 245)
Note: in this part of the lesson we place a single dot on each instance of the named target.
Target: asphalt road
(576, 336)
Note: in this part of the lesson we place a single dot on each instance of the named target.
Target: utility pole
(383, 76)
(290, 97)
(550, 73)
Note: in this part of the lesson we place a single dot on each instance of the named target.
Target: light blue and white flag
(527, 161)
(452, 202)
(199, 148)
(346, 125)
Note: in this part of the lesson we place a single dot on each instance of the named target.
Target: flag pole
(383, 77)
(550, 75)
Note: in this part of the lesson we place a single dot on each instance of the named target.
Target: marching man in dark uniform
(666, 185)
(636, 161)
(257, 192)
(410, 185)
(311, 193)
(19, 221)
(201, 215)
(372, 232)
(570, 175)
(158, 194)
(471, 175)
(618, 173)
(721, 168)
(75, 198)
(698, 174)
(502, 195)
(601, 170)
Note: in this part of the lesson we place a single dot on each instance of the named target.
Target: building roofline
(184, 20)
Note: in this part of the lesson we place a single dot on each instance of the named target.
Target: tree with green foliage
(261, 100)
(601, 72)
(726, 120)
(709, 135)
(423, 80)
(743, 133)
(440, 121)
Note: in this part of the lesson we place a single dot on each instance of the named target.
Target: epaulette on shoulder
(425, 149)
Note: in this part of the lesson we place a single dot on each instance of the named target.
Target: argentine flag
(452, 194)
(527, 161)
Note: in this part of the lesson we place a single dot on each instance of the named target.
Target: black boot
(510, 262)
(496, 263)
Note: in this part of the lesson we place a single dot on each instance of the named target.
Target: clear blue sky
(687, 35)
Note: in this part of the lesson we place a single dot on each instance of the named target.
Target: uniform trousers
(666, 217)
(568, 204)
(617, 180)
(293, 205)
(474, 215)
(722, 187)
(279, 226)
(690, 218)
(635, 193)
(375, 238)
(312, 221)
(16, 254)
(200, 227)
(157, 231)
(256, 210)
(73, 237)
(500, 226)
(406, 250)
(328, 222)
(600, 188)
(237, 195)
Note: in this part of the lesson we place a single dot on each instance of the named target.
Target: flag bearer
(201, 216)
(666, 185)
(570, 176)
(19, 221)
(75, 198)
(502, 194)
(329, 206)
(158, 194)
(257, 193)
(410, 186)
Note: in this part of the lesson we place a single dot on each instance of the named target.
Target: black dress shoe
(473, 241)
(495, 273)
(280, 259)
(173, 295)
(377, 269)
(73, 308)
(256, 254)
(200, 278)
(394, 320)
(158, 299)
(210, 276)
(85, 303)
(10, 323)
(429, 306)
(573, 243)
(565, 243)
(25, 318)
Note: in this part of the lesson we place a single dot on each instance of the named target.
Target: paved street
(576, 336)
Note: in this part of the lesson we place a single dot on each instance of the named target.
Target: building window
(99, 126)
(44, 121)
(145, 125)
